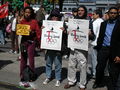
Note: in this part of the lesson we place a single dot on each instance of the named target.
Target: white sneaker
(46, 81)
(24, 84)
(32, 85)
(11, 51)
(15, 52)
(57, 84)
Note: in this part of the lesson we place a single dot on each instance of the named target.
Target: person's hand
(62, 28)
(89, 33)
(117, 59)
(42, 27)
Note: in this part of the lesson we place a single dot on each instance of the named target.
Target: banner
(23, 29)
(78, 34)
(26, 4)
(4, 10)
(51, 35)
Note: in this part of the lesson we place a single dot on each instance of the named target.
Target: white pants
(93, 54)
(77, 59)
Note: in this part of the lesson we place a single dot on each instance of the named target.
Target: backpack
(9, 28)
(28, 74)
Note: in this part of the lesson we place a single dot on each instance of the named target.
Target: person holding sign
(78, 58)
(29, 25)
(54, 56)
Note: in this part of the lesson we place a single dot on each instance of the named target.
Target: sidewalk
(9, 73)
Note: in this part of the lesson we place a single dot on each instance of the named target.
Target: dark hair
(32, 16)
(85, 14)
(74, 10)
(99, 12)
(55, 12)
(112, 8)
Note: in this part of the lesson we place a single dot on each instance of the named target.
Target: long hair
(85, 14)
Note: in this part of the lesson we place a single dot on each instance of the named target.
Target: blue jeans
(2, 39)
(56, 58)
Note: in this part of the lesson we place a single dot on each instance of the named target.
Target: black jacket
(115, 39)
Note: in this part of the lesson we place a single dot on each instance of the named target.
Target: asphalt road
(9, 73)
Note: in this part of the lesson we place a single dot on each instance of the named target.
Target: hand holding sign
(23, 29)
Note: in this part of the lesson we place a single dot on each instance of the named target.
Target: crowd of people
(103, 52)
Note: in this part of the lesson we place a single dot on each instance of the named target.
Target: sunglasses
(113, 12)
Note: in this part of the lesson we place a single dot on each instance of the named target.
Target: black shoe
(97, 86)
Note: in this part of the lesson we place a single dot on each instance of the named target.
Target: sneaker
(32, 85)
(24, 84)
(46, 81)
(57, 84)
(15, 52)
(11, 51)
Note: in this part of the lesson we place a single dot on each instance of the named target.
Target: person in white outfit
(14, 41)
(97, 19)
(78, 58)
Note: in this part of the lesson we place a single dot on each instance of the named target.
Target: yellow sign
(23, 29)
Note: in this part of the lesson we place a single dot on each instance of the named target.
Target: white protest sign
(51, 35)
(78, 34)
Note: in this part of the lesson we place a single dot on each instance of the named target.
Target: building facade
(90, 4)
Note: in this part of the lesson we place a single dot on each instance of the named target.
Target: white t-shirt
(96, 29)
(14, 25)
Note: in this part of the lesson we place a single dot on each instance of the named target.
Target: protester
(108, 49)
(97, 19)
(18, 20)
(54, 56)
(77, 59)
(105, 16)
(40, 15)
(28, 43)
(74, 12)
(2, 38)
(14, 37)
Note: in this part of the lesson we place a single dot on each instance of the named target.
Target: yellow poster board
(23, 29)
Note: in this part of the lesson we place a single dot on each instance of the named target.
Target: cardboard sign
(51, 35)
(78, 34)
(23, 29)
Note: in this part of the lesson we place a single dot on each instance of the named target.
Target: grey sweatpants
(77, 60)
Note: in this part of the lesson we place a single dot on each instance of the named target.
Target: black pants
(102, 59)
(115, 74)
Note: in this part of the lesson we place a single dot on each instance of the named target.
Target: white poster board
(51, 35)
(78, 34)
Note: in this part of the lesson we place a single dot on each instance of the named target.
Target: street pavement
(9, 72)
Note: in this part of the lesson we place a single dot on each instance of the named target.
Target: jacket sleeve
(100, 37)
(38, 31)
